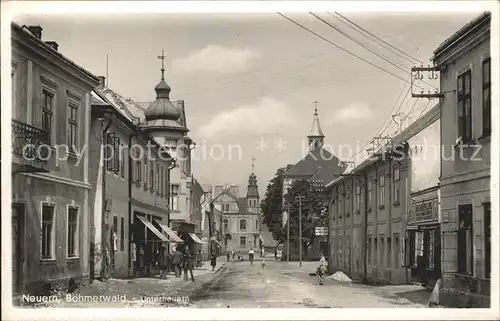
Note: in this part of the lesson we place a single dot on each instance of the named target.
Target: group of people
(251, 255)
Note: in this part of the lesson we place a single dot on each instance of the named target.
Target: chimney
(235, 189)
(54, 45)
(36, 31)
(102, 80)
(218, 189)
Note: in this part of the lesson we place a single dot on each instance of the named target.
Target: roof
(316, 127)
(176, 125)
(413, 129)
(318, 162)
(23, 30)
(486, 16)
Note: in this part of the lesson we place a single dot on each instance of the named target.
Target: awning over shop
(152, 228)
(173, 236)
(196, 238)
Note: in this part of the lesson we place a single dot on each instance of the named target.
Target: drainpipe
(169, 169)
(130, 182)
(365, 236)
(103, 214)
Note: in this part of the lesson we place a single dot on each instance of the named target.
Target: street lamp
(300, 198)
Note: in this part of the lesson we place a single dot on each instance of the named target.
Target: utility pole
(210, 217)
(287, 233)
(300, 198)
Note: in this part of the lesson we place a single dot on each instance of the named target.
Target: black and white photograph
(178, 157)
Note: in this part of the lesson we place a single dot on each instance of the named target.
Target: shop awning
(173, 236)
(196, 238)
(153, 229)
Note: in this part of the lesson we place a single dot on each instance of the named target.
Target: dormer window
(171, 145)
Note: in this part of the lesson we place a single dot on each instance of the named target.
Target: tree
(314, 208)
(271, 206)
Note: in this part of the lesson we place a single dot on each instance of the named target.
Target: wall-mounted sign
(321, 230)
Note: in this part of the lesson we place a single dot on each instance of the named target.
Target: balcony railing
(30, 144)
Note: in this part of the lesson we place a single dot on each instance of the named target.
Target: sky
(249, 81)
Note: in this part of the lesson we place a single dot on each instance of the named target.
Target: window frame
(51, 246)
(72, 123)
(76, 226)
(487, 239)
(397, 184)
(465, 235)
(122, 233)
(244, 243)
(174, 194)
(369, 191)
(486, 104)
(463, 96)
(49, 112)
(244, 228)
(381, 189)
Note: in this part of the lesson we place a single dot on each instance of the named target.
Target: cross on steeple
(315, 107)
(162, 57)
(253, 164)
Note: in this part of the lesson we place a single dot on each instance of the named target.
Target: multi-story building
(241, 217)
(317, 166)
(196, 198)
(131, 216)
(370, 207)
(465, 67)
(423, 235)
(50, 168)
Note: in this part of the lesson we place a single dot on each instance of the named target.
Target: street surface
(241, 285)
(286, 285)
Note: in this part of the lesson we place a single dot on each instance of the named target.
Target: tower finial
(315, 107)
(162, 57)
(253, 164)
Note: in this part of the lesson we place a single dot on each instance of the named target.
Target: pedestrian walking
(227, 255)
(213, 261)
(188, 265)
(177, 261)
(320, 271)
(163, 261)
(275, 254)
(250, 256)
(233, 253)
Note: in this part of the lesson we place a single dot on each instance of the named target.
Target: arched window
(225, 224)
(243, 224)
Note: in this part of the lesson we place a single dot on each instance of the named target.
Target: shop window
(430, 250)
(465, 255)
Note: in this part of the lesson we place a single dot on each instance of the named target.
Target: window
(396, 251)
(174, 194)
(486, 96)
(171, 145)
(47, 112)
(430, 249)
(72, 232)
(122, 160)
(487, 239)
(397, 180)
(243, 225)
(381, 190)
(122, 233)
(243, 241)
(375, 249)
(73, 127)
(226, 207)
(465, 243)
(464, 107)
(117, 156)
(138, 171)
(389, 252)
(358, 198)
(369, 192)
(146, 175)
(47, 231)
(257, 225)
(419, 247)
(226, 223)
(369, 249)
(151, 177)
(382, 251)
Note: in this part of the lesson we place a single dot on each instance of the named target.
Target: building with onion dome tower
(166, 122)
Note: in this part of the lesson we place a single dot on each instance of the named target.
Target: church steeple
(253, 189)
(316, 136)
(162, 107)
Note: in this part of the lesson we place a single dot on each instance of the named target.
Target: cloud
(265, 116)
(214, 58)
(351, 113)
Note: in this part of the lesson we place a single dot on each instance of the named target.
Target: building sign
(321, 230)
(424, 211)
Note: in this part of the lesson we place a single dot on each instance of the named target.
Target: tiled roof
(311, 164)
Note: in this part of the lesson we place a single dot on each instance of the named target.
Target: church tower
(253, 192)
(316, 137)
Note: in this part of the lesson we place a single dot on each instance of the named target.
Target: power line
(359, 43)
(343, 49)
(385, 42)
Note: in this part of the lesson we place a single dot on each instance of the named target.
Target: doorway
(18, 230)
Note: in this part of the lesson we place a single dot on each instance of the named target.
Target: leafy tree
(314, 208)
(271, 206)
